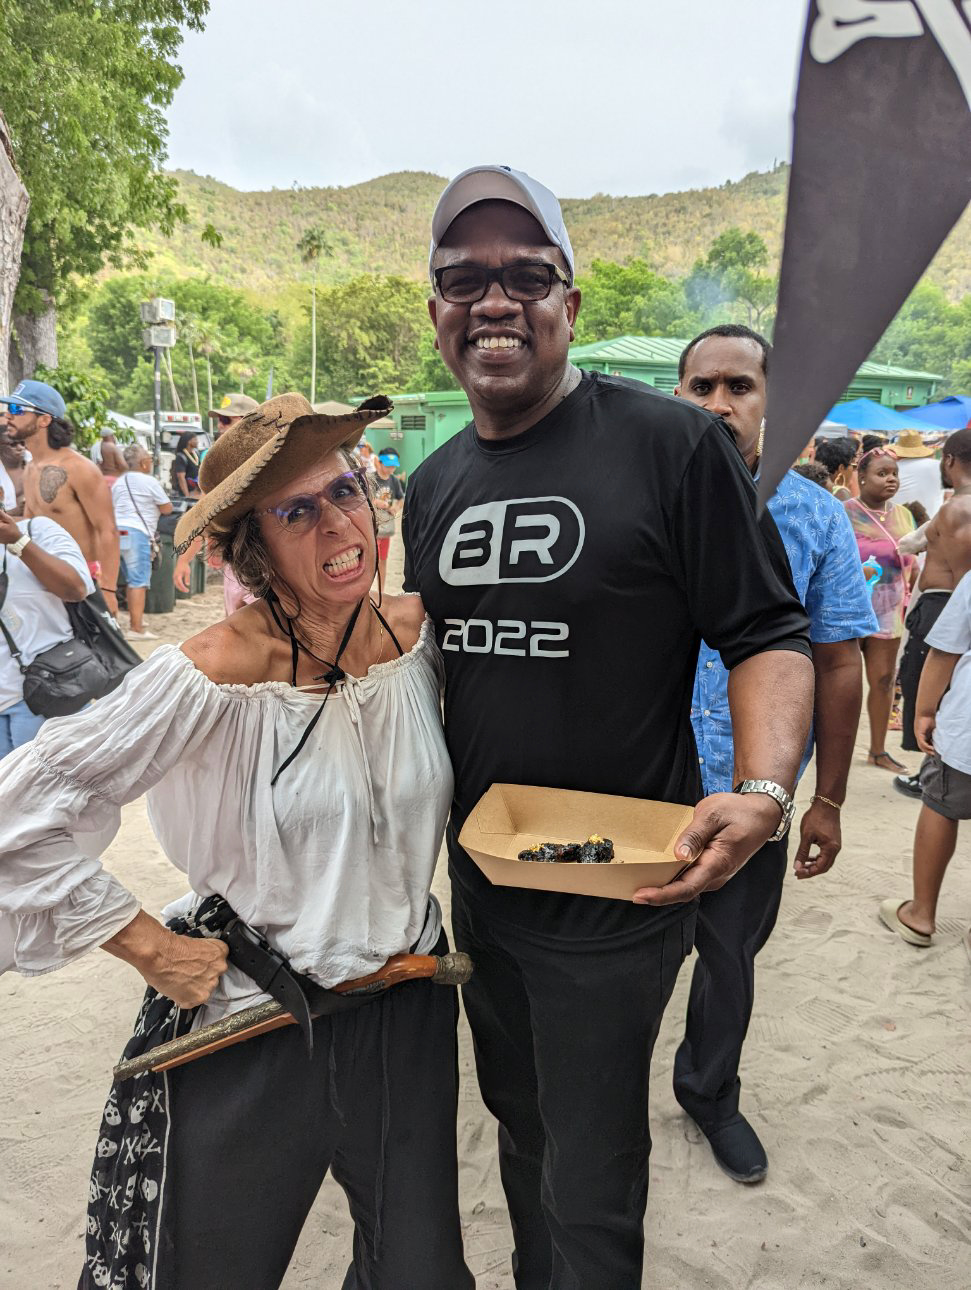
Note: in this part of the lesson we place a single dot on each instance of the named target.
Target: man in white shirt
(43, 567)
(919, 471)
(139, 499)
(943, 726)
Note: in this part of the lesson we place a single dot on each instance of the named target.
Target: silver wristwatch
(779, 794)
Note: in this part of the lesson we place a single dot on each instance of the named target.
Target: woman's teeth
(344, 562)
(498, 342)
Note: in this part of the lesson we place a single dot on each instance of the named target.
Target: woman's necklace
(327, 663)
(874, 511)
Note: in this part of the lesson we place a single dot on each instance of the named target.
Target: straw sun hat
(259, 454)
(909, 443)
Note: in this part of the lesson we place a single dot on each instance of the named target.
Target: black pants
(563, 1034)
(734, 923)
(920, 620)
(256, 1127)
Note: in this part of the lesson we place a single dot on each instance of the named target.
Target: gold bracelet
(818, 797)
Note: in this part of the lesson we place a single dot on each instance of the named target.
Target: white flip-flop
(890, 917)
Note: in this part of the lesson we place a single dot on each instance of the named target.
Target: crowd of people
(304, 757)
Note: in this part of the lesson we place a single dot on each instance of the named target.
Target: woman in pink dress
(879, 525)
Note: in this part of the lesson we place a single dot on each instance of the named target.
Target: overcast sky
(612, 96)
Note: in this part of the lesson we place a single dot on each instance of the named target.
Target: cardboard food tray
(511, 817)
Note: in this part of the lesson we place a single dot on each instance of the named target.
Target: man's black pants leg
(920, 620)
(734, 923)
(563, 1034)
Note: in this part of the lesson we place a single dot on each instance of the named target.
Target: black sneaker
(737, 1150)
(907, 785)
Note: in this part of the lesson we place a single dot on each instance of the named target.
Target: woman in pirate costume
(296, 771)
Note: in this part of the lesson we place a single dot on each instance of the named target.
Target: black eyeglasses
(464, 284)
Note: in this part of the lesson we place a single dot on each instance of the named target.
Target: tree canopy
(83, 84)
(931, 334)
(733, 275)
(631, 299)
(223, 326)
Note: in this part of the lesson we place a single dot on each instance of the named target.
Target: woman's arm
(186, 969)
(71, 781)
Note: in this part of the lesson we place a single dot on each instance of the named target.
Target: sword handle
(449, 969)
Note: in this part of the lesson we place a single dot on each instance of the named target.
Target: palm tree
(189, 330)
(167, 364)
(207, 338)
(312, 246)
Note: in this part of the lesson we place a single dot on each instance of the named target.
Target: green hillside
(382, 227)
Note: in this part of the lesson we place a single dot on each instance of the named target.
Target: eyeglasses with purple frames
(300, 514)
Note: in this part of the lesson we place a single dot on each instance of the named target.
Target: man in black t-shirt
(569, 599)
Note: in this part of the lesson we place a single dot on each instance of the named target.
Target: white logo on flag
(843, 23)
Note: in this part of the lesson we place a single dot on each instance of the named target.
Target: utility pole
(159, 334)
(157, 405)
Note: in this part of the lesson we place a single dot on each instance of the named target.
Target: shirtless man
(112, 462)
(948, 559)
(13, 459)
(61, 484)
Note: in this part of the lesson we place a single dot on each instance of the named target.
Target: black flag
(881, 171)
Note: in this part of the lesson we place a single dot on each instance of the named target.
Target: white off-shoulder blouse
(333, 863)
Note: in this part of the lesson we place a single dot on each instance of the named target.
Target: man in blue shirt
(724, 371)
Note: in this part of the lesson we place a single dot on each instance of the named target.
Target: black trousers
(563, 1034)
(256, 1127)
(734, 923)
(920, 620)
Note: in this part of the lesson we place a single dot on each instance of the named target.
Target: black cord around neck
(334, 673)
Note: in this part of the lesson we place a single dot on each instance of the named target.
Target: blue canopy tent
(953, 413)
(864, 414)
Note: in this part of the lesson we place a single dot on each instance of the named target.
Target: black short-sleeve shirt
(571, 572)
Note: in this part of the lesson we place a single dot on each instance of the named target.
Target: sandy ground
(856, 1073)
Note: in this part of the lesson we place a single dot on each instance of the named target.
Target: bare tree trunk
(34, 341)
(195, 380)
(167, 360)
(209, 387)
(313, 341)
(13, 219)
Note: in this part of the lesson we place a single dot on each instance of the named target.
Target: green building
(422, 422)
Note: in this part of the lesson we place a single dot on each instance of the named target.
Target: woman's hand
(183, 572)
(186, 969)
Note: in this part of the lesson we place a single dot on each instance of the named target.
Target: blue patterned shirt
(829, 580)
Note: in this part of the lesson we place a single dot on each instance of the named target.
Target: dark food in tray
(596, 850)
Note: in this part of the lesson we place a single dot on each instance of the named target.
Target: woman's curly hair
(242, 547)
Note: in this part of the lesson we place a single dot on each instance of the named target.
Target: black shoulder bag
(63, 679)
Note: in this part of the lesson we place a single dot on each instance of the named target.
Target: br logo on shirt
(526, 539)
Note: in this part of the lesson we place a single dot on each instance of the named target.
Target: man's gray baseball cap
(500, 183)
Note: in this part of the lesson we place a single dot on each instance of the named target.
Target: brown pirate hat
(259, 454)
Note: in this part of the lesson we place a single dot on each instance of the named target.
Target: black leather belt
(303, 998)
